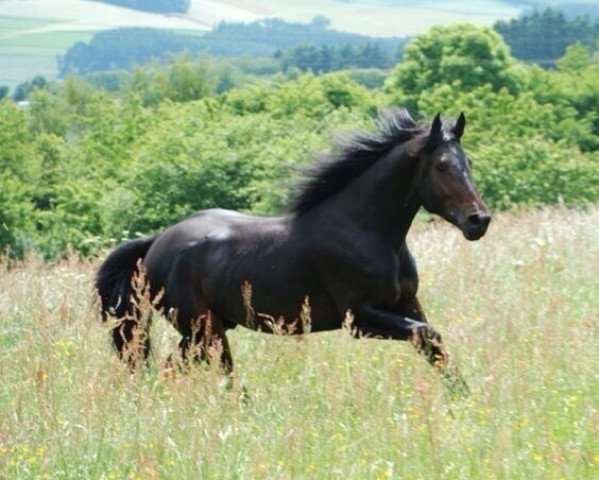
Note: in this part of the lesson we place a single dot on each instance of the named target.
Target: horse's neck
(381, 200)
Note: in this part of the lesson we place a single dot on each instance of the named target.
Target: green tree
(463, 56)
(180, 80)
(24, 89)
(543, 36)
(577, 57)
(19, 176)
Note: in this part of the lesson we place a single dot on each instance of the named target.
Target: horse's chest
(408, 287)
(407, 276)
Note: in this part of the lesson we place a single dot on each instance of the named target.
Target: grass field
(28, 48)
(519, 311)
(381, 18)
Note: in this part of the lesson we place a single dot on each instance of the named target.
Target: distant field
(386, 18)
(34, 32)
(15, 25)
(520, 314)
(28, 48)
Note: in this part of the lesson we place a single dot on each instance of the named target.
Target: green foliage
(463, 56)
(577, 57)
(317, 97)
(574, 86)
(182, 81)
(124, 48)
(371, 78)
(231, 153)
(325, 58)
(19, 173)
(111, 166)
(543, 36)
(24, 89)
(86, 166)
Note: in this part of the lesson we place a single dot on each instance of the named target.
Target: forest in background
(84, 167)
(539, 36)
(124, 48)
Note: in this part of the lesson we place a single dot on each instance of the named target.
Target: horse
(339, 249)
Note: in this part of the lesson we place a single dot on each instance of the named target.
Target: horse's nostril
(477, 219)
(474, 219)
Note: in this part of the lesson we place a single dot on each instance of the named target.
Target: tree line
(323, 59)
(83, 167)
(124, 48)
(543, 36)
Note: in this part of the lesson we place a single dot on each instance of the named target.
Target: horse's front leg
(396, 325)
(433, 350)
(427, 342)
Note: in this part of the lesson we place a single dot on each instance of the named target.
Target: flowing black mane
(356, 154)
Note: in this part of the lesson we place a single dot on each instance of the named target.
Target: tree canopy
(543, 36)
(464, 56)
(124, 48)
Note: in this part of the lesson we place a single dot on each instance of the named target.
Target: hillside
(34, 32)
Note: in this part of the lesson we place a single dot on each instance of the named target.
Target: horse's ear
(458, 128)
(436, 133)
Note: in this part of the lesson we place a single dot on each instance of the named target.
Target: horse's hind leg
(207, 341)
(203, 333)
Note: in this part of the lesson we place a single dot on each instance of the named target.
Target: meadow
(519, 312)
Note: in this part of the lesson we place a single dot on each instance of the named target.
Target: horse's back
(212, 252)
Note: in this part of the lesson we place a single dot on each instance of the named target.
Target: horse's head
(446, 187)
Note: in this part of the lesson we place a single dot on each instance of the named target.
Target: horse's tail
(114, 287)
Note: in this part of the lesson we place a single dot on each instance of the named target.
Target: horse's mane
(355, 155)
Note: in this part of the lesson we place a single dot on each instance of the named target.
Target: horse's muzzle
(476, 225)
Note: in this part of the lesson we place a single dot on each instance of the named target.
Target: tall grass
(519, 311)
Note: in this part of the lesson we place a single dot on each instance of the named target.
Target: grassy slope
(25, 54)
(29, 46)
(33, 33)
(387, 18)
(519, 311)
(25, 51)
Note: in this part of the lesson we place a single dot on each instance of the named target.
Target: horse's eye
(442, 166)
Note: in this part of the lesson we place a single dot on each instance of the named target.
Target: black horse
(341, 248)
